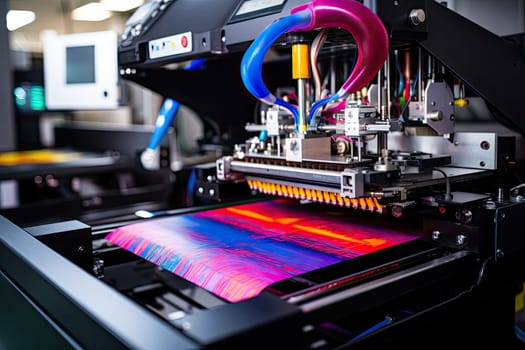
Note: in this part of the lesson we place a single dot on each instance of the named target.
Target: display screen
(80, 64)
(255, 8)
(140, 13)
(250, 6)
(236, 252)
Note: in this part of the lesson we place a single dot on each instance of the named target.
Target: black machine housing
(455, 285)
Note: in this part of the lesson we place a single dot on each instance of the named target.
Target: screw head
(460, 239)
(485, 145)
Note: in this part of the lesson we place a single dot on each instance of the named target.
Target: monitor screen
(81, 71)
(80, 64)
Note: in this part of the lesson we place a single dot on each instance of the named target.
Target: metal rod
(388, 88)
(332, 75)
(420, 74)
(301, 96)
(359, 144)
(337, 127)
(380, 92)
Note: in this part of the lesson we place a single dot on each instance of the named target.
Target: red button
(184, 41)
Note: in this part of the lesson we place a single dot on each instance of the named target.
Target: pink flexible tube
(366, 28)
(339, 106)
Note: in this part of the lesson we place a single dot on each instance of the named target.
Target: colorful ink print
(235, 252)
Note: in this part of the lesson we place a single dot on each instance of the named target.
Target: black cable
(385, 323)
(448, 196)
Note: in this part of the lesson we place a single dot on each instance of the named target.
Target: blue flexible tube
(520, 333)
(322, 102)
(167, 112)
(195, 64)
(379, 325)
(190, 187)
(401, 85)
(252, 61)
(263, 135)
(165, 117)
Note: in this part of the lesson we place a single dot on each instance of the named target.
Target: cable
(520, 333)
(252, 61)
(401, 78)
(335, 108)
(448, 196)
(385, 322)
(318, 104)
(263, 135)
(409, 97)
(357, 19)
(314, 52)
(165, 118)
(342, 103)
(369, 34)
(342, 137)
(388, 320)
(190, 187)
(167, 112)
(430, 309)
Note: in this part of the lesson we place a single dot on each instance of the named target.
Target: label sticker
(170, 45)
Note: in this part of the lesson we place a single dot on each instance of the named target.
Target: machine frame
(461, 270)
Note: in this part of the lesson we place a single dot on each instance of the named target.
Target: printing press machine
(396, 156)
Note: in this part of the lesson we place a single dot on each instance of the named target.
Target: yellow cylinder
(460, 102)
(300, 61)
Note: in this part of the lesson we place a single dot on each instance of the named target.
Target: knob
(417, 16)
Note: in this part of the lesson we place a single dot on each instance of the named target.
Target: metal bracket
(352, 183)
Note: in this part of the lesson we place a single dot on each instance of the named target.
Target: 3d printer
(386, 149)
